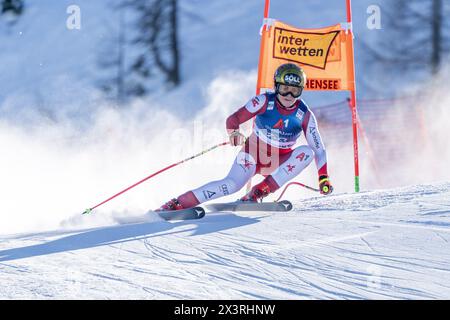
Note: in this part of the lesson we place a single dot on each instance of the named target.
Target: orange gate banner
(326, 55)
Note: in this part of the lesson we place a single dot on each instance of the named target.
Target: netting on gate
(392, 133)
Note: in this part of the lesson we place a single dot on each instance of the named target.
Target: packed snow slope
(386, 244)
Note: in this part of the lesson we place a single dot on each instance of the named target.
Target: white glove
(236, 138)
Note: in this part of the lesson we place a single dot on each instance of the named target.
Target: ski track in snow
(387, 244)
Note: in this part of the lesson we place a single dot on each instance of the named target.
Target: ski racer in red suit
(280, 118)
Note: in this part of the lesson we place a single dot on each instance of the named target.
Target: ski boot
(257, 193)
(171, 205)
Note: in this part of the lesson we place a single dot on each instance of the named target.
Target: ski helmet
(290, 74)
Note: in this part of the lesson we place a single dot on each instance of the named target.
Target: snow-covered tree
(123, 75)
(142, 44)
(157, 23)
(12, 6)
(413, 42)
(11, 9)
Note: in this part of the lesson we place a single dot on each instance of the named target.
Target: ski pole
(299, 184)
(87, 211)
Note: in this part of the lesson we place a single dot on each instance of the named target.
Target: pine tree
(414, 38)
(158, 35)
(12, 6)
(11, 10)
(122, 79)
(140, 48)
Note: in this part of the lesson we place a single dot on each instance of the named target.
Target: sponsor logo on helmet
(292, 79)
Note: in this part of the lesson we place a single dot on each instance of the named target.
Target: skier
(280, 119)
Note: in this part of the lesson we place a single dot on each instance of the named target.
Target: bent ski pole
(87, 211)
(299, 184)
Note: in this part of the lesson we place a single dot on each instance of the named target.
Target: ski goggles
(284, 90)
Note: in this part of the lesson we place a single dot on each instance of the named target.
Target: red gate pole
(261, 59)
(352, 101)
(263, 45)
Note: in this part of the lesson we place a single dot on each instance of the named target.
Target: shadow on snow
(124, 233)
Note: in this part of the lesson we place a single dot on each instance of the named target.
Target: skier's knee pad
(234, 185)
(304, 154)
(244, 167)
(299, 159)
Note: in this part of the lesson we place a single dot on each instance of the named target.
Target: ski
(283, 205)
(198, 212)
(183, 214)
